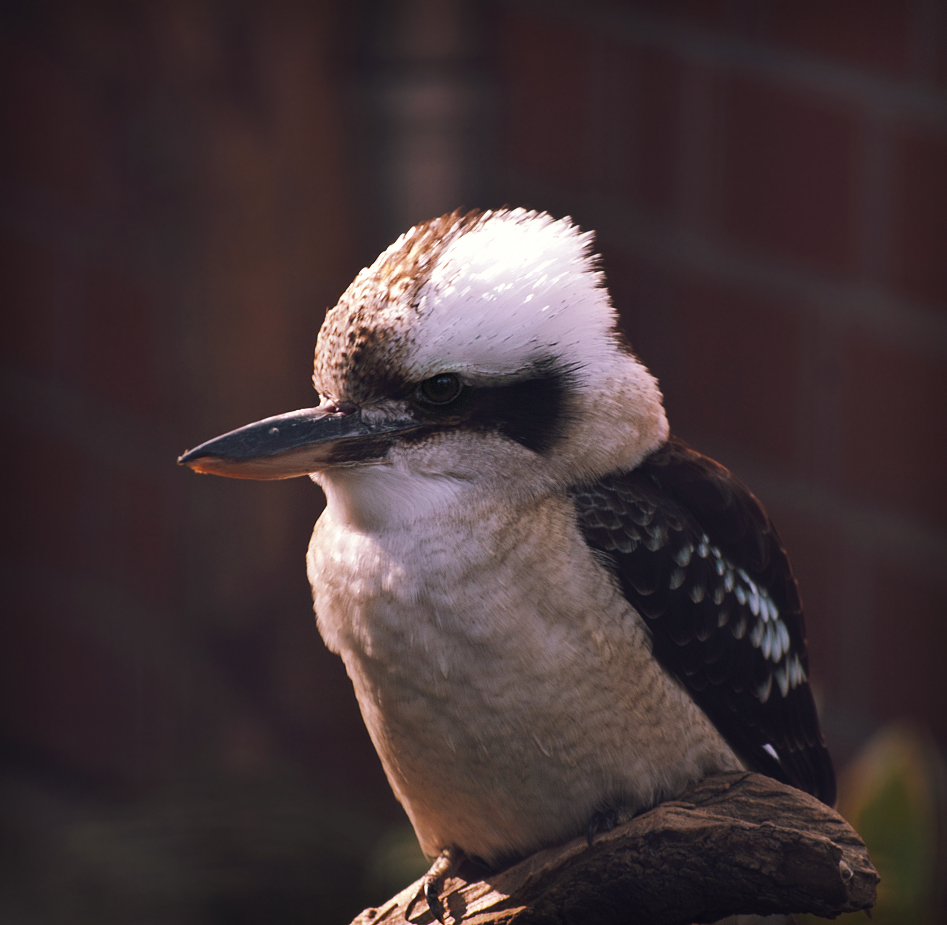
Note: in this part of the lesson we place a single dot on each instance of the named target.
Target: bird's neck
(384, 497)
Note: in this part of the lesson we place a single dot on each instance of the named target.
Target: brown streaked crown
(364, 340)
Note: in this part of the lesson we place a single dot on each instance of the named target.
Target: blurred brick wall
(769, 184)
(175, 220)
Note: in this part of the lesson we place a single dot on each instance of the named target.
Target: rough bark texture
(734, 843)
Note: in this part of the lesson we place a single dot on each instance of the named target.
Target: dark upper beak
(297, 443)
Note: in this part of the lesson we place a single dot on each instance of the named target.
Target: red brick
(703, 12)
(712, 13)
(614, 173)
(62, 694)
(126, 534)
(120, 342)
(817, 553)
(735, 375)
(660, 78)
(49, 136)
(919, 214)
(148, 565)
(873, 34)
(548, 71)
(641, 93)
(114, 526)
(789, 175)
(939, 64)
(647, 298)
(895, 409)
(44, 522)
(909, 639)
(28, 280)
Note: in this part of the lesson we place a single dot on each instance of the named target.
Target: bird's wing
(700, 560)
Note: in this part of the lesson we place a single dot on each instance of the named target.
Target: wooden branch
(732, 844)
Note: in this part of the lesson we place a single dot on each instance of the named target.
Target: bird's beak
(297, 443)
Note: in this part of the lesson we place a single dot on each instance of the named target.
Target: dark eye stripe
(532, 410)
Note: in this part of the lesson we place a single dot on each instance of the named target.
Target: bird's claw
(433, 881)
(432, 893)
(601, 819)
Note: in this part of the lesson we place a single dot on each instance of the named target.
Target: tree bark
(732, 844)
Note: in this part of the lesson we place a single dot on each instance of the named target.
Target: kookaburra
(551, 610)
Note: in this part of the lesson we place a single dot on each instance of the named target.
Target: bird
(554, 612)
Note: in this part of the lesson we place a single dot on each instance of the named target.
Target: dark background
(185, 188)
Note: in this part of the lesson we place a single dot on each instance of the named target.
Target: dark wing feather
(700, 560)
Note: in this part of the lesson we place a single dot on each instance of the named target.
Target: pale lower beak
(297, 443)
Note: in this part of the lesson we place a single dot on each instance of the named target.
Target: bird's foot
(444, 865)
(602, 820)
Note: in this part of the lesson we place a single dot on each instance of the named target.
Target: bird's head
(479, 350)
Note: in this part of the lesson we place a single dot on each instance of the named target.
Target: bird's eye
(440, 389)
